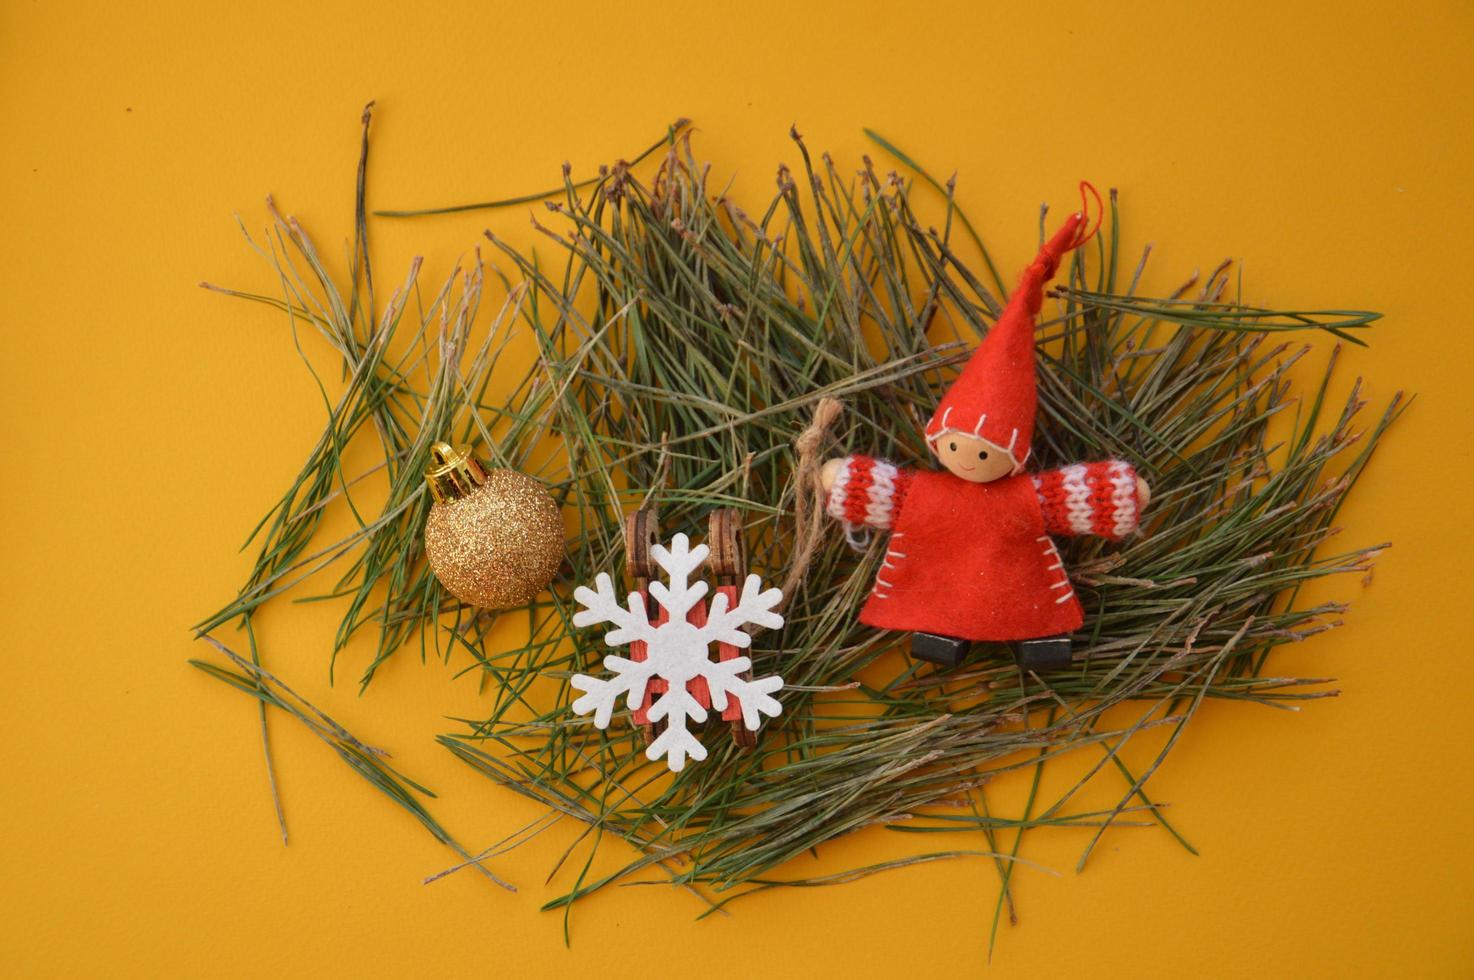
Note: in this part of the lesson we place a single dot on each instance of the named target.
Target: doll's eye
(982, 455)
(952, 446)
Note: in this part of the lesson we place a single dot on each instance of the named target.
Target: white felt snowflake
(677, 652)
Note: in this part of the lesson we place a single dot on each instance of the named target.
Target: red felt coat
(975, 560)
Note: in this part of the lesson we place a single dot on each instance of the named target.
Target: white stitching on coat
(1050, 551)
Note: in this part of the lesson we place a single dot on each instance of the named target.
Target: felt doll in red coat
(971, 555)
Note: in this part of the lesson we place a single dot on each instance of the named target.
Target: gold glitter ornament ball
(494, 537)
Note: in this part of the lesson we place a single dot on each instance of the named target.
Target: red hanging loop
(1076, 231)
(1082, 235)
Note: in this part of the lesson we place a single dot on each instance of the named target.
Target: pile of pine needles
(678, 343)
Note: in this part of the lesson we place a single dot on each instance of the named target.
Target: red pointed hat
(994, 397)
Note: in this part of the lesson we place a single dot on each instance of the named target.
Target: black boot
(1045, 653)
(944, 651)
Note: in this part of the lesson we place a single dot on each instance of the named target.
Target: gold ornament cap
(453, 473)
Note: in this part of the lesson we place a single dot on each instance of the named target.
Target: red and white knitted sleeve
(1090, 498)
(868, 491)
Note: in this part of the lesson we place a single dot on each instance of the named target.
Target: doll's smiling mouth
(967, 468)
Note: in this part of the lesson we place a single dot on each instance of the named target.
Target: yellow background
(148, 423)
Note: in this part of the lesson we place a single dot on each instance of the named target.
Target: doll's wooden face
(971, 458)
